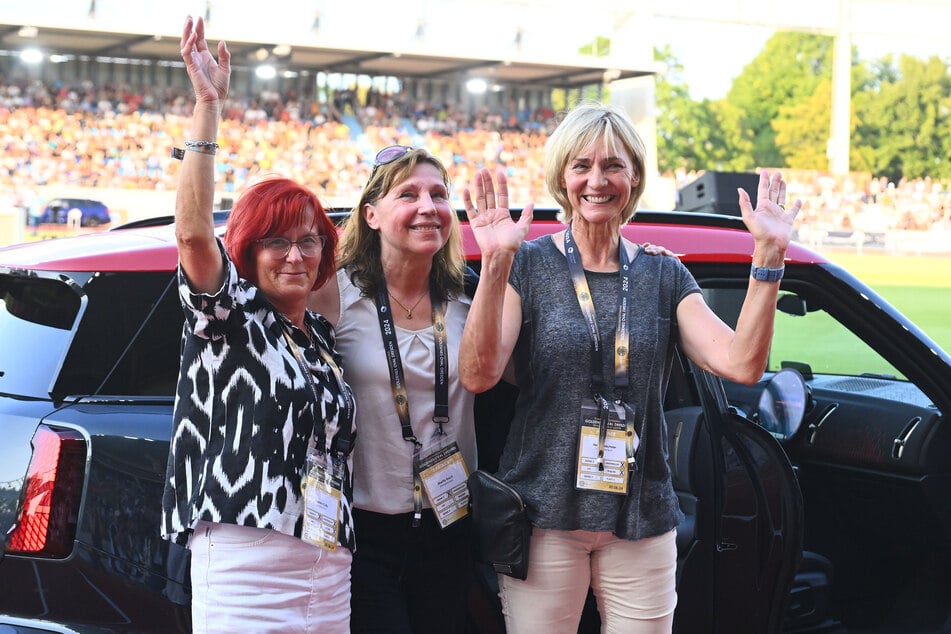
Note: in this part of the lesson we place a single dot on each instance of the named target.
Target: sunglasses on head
(389, 154)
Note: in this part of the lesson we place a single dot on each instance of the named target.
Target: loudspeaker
(715, 192)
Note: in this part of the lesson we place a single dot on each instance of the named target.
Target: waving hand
(210, 78)
(770, 222)
(489, 217)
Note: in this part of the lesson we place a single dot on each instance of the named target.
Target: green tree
(694, 135)
(787, 72)
(730, 144)
(802, 130)
(903, 117)
(681, 126)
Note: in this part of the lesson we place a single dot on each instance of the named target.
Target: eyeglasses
(309, 246)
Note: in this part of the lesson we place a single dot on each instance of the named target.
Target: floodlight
(476, 86)
(31, 56)
(265, 71)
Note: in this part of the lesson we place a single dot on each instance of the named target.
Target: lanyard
(621, 343)
(398, 383)
(340, 446)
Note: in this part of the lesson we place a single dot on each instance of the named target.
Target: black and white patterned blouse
(244, 414)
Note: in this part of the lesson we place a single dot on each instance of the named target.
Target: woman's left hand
(656, 249)
(210, 79)
(771, 222)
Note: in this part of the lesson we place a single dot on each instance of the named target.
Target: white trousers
(248, 579)
(634, 583)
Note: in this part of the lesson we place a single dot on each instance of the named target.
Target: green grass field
(917, 285)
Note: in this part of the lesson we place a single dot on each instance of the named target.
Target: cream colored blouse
(382, 459)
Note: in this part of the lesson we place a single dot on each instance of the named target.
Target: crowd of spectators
(114, 137)
(859, 202)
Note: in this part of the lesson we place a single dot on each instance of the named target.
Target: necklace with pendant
(409, 311)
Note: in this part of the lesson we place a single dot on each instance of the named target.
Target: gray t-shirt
(553, 370)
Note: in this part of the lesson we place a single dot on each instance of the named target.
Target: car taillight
(46, 523)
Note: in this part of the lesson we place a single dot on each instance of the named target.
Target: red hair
(269, 208)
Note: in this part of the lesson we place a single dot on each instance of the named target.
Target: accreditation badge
(444, 477)
(322, 496)
(602, 455)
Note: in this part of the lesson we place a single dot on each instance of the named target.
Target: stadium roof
(571, 72)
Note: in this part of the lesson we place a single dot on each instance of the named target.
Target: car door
(739, 545)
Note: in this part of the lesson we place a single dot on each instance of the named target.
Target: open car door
(740, 545)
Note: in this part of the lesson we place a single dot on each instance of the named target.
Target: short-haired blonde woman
(591, 325)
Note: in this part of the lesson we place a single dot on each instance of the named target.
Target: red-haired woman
(259, 475)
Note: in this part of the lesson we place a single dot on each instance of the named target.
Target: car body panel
(154, 248)
(150, 249)
(722, 238)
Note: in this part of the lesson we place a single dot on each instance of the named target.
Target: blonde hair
(583, 125)
(359, 247)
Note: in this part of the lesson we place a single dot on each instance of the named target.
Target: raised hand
(210, 79)
(656, 249)
(771, 222)
(489, 216)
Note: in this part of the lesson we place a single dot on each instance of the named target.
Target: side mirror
(782, 405)
(791, 305)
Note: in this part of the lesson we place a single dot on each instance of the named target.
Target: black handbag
(501, 525)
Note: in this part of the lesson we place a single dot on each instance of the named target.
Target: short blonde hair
(360, 250)
(583, 125)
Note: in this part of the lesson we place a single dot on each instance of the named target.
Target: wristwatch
(765, 274)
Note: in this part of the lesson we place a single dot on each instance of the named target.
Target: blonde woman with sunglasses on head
(398, 307)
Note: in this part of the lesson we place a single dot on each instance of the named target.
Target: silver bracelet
(202, 147)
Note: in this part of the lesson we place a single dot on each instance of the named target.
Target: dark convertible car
(818, 500)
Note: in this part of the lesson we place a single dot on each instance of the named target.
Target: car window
(128, 342)
(110, 334)
(36, 317)
(149, 364)
(814, 337)
(827, 346)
